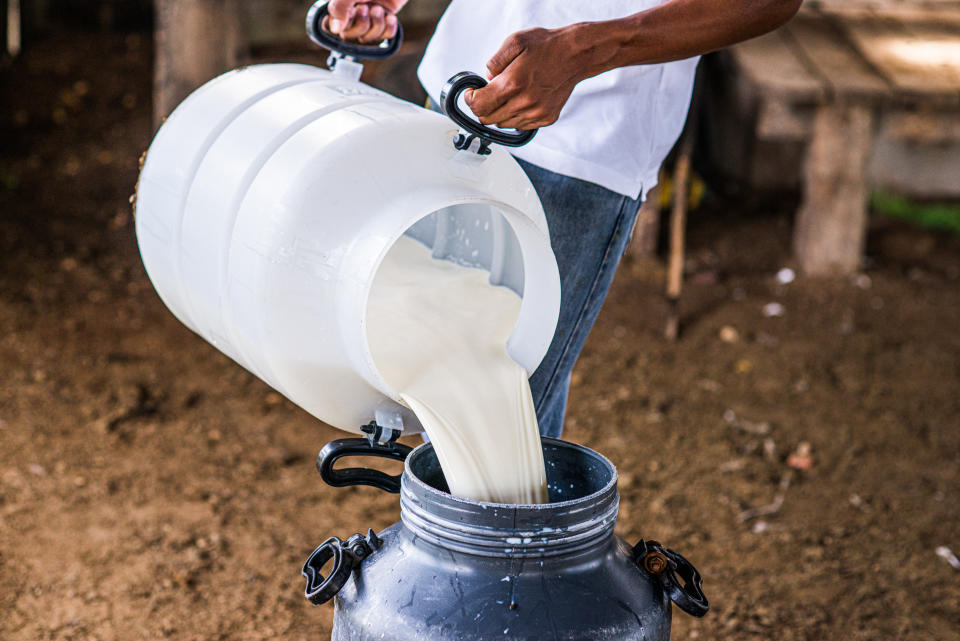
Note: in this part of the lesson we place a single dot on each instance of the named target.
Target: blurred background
(785, 412)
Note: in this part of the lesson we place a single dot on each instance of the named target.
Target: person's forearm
(675, 30)
(534, 72)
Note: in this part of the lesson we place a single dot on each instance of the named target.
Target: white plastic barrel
(268, 200)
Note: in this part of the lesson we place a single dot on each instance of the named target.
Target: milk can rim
(512, 530)
(409, 476)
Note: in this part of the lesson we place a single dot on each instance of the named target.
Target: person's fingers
(360, 25)
(514, 101)
(520, 114)
(512, 47)
(341, 9)
(391, 29)
(504, 116)
(340, 16)
(378, 25)
(335, 26)
(487, 100)
(523, 121)
(331, 25)
(383, 25)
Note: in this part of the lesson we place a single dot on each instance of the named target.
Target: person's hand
(368, 21)
(531, 77)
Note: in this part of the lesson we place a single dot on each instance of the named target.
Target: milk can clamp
(346, 556)
(666, 565)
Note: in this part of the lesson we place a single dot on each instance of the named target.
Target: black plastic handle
(346, 556)
(321, 589)
(315, 17)
(666, 565)
(448, 102)
(336, 450)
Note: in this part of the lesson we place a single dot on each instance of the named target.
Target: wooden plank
(931, 128)
(922, 61)
(834, 59)
(917, 155)
(772, 64)
(921, 14)
(945, 12)
(936, 48)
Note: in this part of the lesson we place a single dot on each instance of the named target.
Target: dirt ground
(151, 488)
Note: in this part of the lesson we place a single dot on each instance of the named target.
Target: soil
(151, 488)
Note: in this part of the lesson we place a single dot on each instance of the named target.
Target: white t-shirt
(615, 129)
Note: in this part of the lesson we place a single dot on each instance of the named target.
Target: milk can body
(269, 198)
(455, 568)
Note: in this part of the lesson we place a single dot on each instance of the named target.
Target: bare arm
(534, 71)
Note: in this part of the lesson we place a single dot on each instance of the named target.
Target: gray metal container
(460, 569)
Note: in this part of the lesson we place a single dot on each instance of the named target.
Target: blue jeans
(590, 227)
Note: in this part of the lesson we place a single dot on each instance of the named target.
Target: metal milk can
(454, 568)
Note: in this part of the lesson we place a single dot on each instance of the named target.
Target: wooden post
(678, 214)
(647, 229)
(678, 224)
(14, 33)
(195, 41)
(831, 224)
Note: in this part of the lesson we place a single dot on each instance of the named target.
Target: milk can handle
(327, 40)
(448, 102)
(666, 565)
(336, 450)
(346, 556)
(321, 589)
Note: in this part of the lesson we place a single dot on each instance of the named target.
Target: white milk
(437, 332)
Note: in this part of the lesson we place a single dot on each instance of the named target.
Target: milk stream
(437, 332)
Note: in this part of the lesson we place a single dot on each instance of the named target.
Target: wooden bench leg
(195, 41)
(831, 224)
